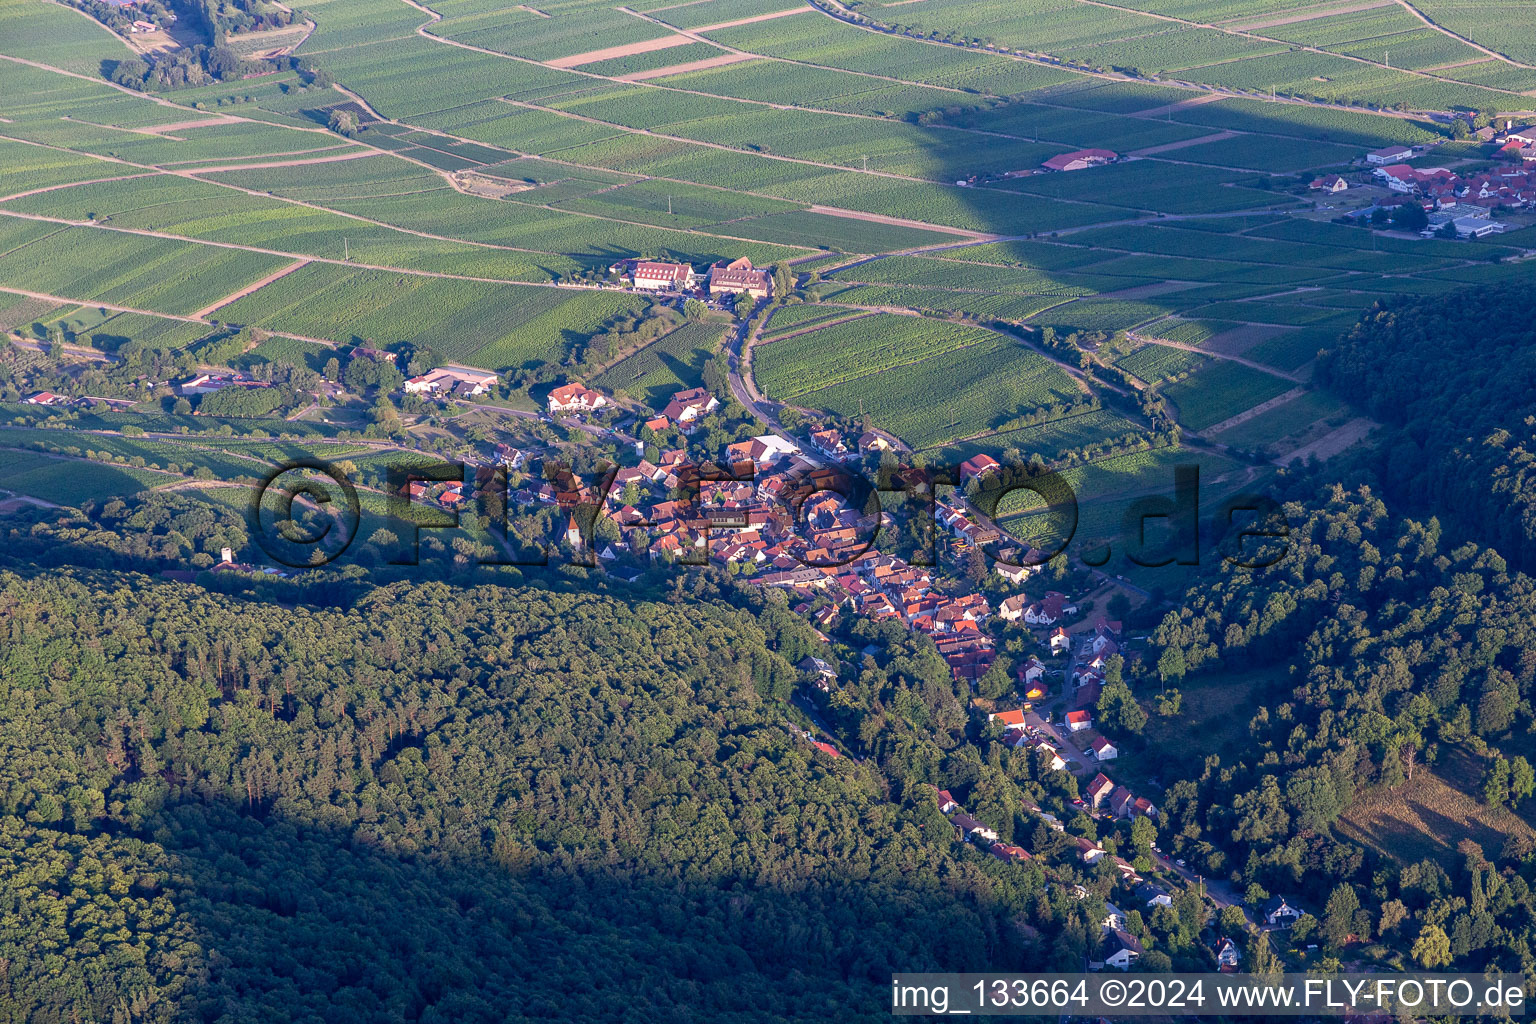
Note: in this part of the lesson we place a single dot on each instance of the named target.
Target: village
(1453, 204)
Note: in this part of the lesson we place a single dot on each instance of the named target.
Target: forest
(1455, 376)
(456, 805)
(1397, 636)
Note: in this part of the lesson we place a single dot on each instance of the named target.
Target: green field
(671, 364)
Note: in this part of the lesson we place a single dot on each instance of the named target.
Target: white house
(1121, 950)
(575, 398)
(1279, 913)
(448, 379)
(1389, 155)
(1104, 750)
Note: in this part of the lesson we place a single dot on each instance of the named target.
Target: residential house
(1102, 749)
(826, 675)
(1061, 641)
(1329, 183)
(1077, 721)
(1279, 913)
(1120, 800)
(1009, 853)
(1153, 895)
(978, 466)
(692, 404)
(1121, 949)
(1525, 135)
(1080, 159)
(1012, 608)
(47, 398)
(737, 277)
(1228, 956)
(947, 803)
(1089, 852)
(1054, 758)
(1099, 789)
(969, 827)
(829, 442)
(1008, 719)
(574, 397)
(869, 441)
(1014, 573)
(1031, 670)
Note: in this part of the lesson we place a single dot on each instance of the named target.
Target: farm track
(797, 332)
(1257, 410)
(1310, 14)
(1308, 49)
(1479, 47)
(1331, 443)
(252, 287)
(1218, 355)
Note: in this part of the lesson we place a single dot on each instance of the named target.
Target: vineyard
(788, 369)
(1221, 390)
(671, 364)
(949, 392)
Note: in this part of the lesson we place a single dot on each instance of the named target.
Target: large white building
(448, 379)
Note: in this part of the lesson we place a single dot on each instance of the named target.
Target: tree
(1118, 710)
(1393, 913)
(1432, 948)
(1522, 779)
(1170, 665)
(693, 309)
(183, 407)
(1496, 782)
(1339, 915)
(1410, 216)
(332, 369)
(744, 305)
(783, 281)
(343, 122)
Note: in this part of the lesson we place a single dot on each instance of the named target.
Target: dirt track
(750, 21)
(693, 65)
(614, 52)
(248, 289)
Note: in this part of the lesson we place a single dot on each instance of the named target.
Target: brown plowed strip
(1169, 146)
(1257, 410)
(283, 163)
(875, 218)
(627, 50)
(1308, 15)
(1330, 444)
(176, 126)
(752, 20)
(1460, 64)
(253, 286)
(1168, 108)
(693, 65)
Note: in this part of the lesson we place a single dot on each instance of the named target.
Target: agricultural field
(927, 381)
(566, 142)
(670, 364)
(72, 481)
(494, 325)
(1220, 390)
